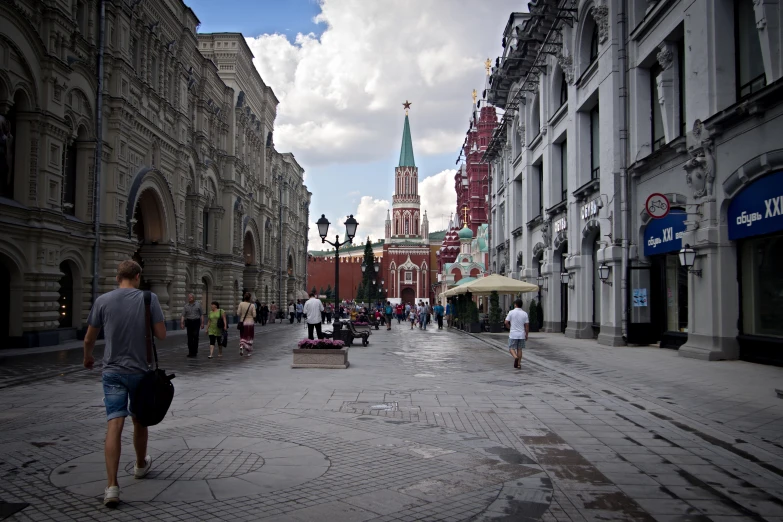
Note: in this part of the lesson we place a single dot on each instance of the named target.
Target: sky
(341, 70)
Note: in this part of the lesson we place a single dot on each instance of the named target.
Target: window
(762, 286)
(541, 190)
(154, 73)
(681, 80)
(749, 63)
(564, 170)
(81, 19)
(69, 179)
(134, 51)
(205, 232)
(594, 44)
(535, 117)
(658, 134)
(563, 90)
(595, 144)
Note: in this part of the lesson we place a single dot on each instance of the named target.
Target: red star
(406, 105)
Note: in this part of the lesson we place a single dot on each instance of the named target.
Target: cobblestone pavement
(422, 426)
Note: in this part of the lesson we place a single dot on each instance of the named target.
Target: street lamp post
(350, 231)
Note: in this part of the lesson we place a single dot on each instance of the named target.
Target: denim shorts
(516, 344)
(117, 391)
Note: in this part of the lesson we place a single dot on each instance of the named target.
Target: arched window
(407, 225)
(407, 184)
(594, 44)
(749, 63)
(535, 116)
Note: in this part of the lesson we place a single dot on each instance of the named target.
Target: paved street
(422, 426)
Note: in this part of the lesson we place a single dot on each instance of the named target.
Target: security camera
(599, 204)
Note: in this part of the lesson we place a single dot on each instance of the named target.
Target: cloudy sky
(341, 70)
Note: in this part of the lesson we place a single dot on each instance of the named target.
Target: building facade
(187, 180)
(608, 103)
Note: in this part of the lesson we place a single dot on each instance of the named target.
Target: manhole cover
(201, 464)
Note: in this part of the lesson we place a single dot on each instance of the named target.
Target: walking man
(121, 313)
(422, 316)
(299, 311)
(193, 320)
(449, 313)
(438, 309)
(388, 310)
(518, 325)
(312, 310)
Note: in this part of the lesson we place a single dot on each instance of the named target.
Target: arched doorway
(148, 227)
(249, 249)
(5, 301)
(408, 295)
(65, 301)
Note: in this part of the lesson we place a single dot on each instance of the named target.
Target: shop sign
(560, 225)
(590, 209)
(664, 235)
(758, 209)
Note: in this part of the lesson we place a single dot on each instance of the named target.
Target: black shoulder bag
(154, 394)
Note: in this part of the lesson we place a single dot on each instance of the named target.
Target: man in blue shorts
(121, 314)
(518, 325)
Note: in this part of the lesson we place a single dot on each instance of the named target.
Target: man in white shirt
(518, 325)
(312, 310)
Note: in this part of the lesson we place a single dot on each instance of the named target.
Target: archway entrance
(11, 296)
(249, 249)
(149, 228)
(65, 301)
(408, 295)
(205, 293)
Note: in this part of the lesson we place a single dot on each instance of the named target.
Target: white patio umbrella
(497, 283)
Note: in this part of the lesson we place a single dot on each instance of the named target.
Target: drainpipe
(625, 215)
(280, 245)
(96, 198)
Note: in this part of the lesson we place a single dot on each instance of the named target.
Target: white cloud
(371, 215)
(438, 198)
(340, 93)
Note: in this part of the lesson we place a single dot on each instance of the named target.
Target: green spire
(406, 151)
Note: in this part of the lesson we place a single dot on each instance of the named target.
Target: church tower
(406, 204)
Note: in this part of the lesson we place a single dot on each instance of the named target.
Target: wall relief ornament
(601, 15)
(700, 170)
(567, 65)
(545, 235)
(666, 55)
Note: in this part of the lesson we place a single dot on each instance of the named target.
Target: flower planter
(473, 327)
(495, 327)
(320, 358)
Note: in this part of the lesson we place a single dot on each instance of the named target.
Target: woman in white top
(247, 314)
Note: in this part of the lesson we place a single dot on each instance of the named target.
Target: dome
(466, 233)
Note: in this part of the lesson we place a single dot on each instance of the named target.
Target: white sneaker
(142, 472)
(241, 352)
(111, 497)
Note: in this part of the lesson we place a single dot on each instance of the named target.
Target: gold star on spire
(406, 105)
(488, 65)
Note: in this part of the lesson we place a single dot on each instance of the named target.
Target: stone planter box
(331, 359)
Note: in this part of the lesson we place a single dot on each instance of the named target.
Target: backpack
(153, 395)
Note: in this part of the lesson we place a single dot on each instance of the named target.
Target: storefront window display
(762, 285)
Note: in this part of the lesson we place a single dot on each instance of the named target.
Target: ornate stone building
(188, 183)
(610, 102)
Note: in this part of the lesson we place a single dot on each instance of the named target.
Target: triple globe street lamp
(350, 232)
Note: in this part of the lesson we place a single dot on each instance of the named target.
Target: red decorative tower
(406, 250)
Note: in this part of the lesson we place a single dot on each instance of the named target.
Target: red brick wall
(320, 273)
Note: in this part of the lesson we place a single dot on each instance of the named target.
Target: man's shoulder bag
(154, 394)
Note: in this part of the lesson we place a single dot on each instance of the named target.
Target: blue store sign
(664, 235)
(758, 209)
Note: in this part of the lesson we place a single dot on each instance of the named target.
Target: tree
(369, 275)
(329, 293)
(323, 292)
(360, 293)
(314, 292)
(494, 308)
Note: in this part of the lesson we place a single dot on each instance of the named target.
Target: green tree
(360, 292)
(329, 293)
(323, 292)
(314, 292)
(369, 275)
(494, 308)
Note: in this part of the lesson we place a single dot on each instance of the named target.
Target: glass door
(641, 328)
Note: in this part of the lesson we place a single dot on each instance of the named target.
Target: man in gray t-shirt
(121, 315)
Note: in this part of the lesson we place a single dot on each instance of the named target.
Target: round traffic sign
(657, 205)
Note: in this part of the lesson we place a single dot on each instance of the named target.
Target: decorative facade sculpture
(601, 15)
(700, 171)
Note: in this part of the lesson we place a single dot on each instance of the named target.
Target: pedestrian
(449, 313)
(258, 309)
(193, 320)
(388, 311)
(264, 314)
(121, 314)
(299, 311)
(313, 309)
(247, 311)
(273, 312)
(291, 311)
(518, 325)
(412, 316)
(422, 316)
(399, 310)
(216, 324)
(438, 309)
